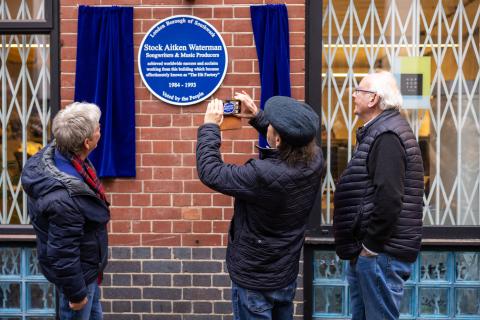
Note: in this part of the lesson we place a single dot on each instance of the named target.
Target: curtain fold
(104, 76)
(270, 30)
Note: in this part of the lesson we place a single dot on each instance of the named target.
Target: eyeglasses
(357, 89)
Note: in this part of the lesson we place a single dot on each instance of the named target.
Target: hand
(249, 109)
(214, 113)
(78, 305)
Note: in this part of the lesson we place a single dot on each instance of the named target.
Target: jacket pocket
(258, 253)
(357, 225)
(398, 272)
(231, 232)
(100, 251)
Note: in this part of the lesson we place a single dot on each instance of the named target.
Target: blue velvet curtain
(270, 30)
(104, 76)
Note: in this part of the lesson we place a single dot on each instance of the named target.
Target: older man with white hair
(69, 211)
(378, 202)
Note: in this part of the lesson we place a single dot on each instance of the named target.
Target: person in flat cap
(273, 199)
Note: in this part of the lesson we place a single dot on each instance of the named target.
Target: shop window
(443, 284)
(357, 38)
(22, 10)
(25, 88)
(24, 292)
(29, 78)
(361, 36)
(29, 94)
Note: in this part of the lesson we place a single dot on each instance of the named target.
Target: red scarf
(89, 176)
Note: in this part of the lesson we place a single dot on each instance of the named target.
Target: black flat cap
(295, 121)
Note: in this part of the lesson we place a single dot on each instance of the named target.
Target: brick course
(170, 283)
(168, 231)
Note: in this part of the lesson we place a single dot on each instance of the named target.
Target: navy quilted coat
(70, 223)
(272, 204)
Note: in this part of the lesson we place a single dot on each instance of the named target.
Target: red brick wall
(166, 204)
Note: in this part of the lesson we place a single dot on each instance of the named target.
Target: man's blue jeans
(91, 311)
(376, 287)
(263, 305)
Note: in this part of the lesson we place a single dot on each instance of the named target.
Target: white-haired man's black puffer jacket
(357, 218)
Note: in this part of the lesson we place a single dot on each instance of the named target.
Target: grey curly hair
(73, 124)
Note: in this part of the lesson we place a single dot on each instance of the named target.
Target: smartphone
(231, 107)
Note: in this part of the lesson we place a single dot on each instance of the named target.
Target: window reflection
(360, 36)
(22, 10)
(25, 89)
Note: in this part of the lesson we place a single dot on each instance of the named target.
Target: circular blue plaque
(182, 60)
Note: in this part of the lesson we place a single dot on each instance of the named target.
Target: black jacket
(70, 223)
(357, 203)
(272, 204)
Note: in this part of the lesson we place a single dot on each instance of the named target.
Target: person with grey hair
(378, 201)
(69, 211)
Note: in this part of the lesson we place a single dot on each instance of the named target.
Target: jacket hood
(40, 176)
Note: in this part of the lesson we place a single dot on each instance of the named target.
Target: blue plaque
(228, 108)
(182, 60)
